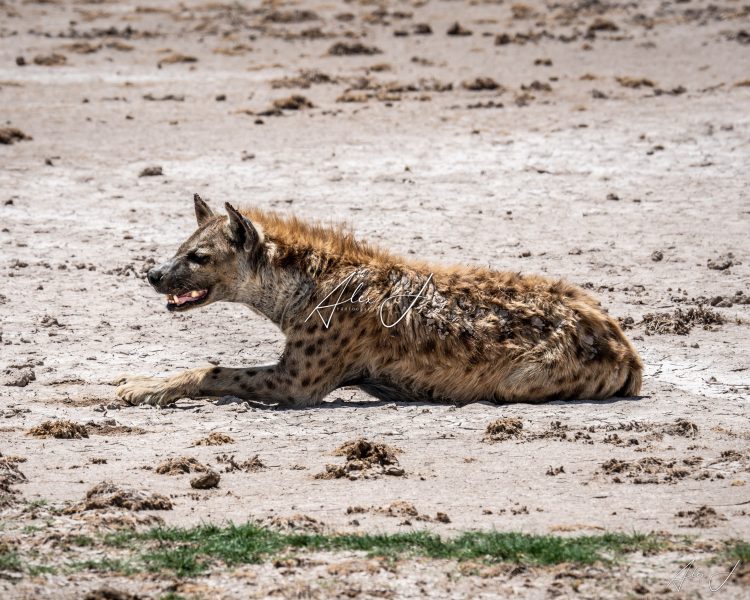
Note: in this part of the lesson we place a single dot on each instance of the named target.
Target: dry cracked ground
(606, 143)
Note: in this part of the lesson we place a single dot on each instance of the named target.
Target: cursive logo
(716, 581)
(357, 297)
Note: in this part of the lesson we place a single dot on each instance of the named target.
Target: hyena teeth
(194, 294)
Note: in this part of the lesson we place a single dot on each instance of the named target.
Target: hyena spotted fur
(355, 315)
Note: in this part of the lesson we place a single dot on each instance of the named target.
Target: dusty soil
(604, 143)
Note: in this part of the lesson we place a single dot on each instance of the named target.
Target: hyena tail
(634, 379)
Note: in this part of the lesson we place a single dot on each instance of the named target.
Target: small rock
(657, 255)
(151, 172)
(458, 29)
(206, 481)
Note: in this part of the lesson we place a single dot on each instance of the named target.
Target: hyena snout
(154, 276)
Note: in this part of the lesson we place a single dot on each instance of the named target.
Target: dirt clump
(249, 466)
(721, 263)
(50, 60)
(107, 593)
(295, 522)
(647, 470)
(634, 82)
(60, 429)
(703, 517)
(294, 102)
(154, 171)
(174, 59)
(481, 84)
(291, 16)
(107, 495)
(112, 427)
(304, 80)
(681, 322)
(682, 428)
(458, 30)
(179, 465)
(206, 481)
(352, 49)
(503, 429)
(364, 460)
(18, 377)
(400, 508)
(214, 439)
(11, 135)
(10, 474)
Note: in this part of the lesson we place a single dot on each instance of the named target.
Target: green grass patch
(9, 560)
(104, 565)
(738, 551)
(192, 551)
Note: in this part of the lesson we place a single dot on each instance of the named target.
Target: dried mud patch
(107, 593)
(107, 495)
(60, 429)
(400, 509)
(180, 465)
(296, 522)
(364, 460)
(250, 465)
(214, 439)
(703, 517)
(10, 475)
(681, 322)
(650, 469)
(112, 427)
(11, 135)
(503, 429)
(352, 49)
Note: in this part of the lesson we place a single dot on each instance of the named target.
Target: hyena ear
(202, 211)
(241, 229)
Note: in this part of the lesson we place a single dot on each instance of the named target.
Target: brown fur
(472, 333)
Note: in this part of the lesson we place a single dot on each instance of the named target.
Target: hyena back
(355, 315)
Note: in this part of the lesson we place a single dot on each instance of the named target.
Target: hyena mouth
(186, 300)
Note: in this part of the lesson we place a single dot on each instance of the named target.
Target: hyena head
(212, 263)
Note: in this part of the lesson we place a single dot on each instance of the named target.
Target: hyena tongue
(190, 296)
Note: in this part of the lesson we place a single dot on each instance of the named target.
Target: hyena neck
(278, 294)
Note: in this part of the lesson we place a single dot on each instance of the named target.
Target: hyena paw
(147, 390)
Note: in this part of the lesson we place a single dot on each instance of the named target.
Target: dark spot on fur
(250, 373)
(270, 384)
(317, 380)
(299, 343)
(236, 378)
(310, 349)
(312, 327)
(216, 370)
(293, 372)
(345, 340)
(308, 364)
(305, 382)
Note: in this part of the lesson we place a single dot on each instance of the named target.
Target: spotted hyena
(356, 315)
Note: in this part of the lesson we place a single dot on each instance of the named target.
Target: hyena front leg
(274, 384)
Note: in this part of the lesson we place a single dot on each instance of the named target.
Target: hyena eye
(198, 259)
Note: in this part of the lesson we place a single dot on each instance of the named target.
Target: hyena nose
(154, 276)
